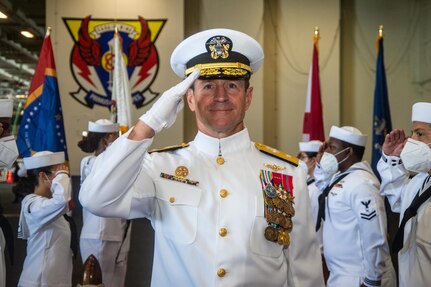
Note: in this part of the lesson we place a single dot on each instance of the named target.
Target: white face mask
(8, 152)
(416, 156)
(48, 180)
(329, 163)
(321, 179)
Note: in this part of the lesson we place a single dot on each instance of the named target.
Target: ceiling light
(3, 15)
(27, 34)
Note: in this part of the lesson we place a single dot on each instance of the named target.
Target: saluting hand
(60, 168)
(164, 112)
(394, 142)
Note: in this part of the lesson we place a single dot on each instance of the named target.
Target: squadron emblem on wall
(91, 59)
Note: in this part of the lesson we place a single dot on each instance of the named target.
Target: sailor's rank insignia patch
(368, 213)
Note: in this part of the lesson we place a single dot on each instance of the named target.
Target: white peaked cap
(218, 53)
(421, 112)
(311, 146)
(43, 158)
(102, 126)
(6, 108)
(348, 134)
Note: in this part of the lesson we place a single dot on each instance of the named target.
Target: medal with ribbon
(277, 189)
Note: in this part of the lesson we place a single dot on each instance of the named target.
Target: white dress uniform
(313, 193)
(354, 232)
(414, 259)
(49, 258)
(209, 227)
(108, 239)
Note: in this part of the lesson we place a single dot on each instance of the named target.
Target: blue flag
(382, 115)
(42, 127)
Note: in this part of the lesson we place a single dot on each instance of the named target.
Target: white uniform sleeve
(303, 254)
(395, 179)
(117, 185)
(369, 209)
(86, 165)
(46, 210)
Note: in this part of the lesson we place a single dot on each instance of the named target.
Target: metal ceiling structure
(18, 54)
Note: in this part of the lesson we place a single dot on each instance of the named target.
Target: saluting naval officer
(355, 247)
(410, 196)
(226, 211)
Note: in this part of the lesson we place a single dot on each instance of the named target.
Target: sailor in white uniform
(42, 221)
(307, 153)
(226, 211)
(108, 239)
(354, 229)
(410, 196)
(8, 155)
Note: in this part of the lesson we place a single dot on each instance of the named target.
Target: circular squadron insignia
(92, 57)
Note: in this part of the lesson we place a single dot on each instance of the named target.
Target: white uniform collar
(7, 138)
(361, 165)
(231, 144)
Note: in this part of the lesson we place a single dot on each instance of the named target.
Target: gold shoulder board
(278, 154)
(169, 148)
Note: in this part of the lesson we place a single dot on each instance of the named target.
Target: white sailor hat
(6, 108)
(348, 134)
(311, 146)
(103, 126)
(218, 53)
(421, 112)
(43, 158)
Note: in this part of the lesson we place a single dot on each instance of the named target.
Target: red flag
(313, 116)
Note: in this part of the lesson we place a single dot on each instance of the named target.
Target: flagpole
(113, 108)
(313, 115)
(382, 123)
(316, 36)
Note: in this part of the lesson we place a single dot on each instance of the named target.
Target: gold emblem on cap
(220, 160)
(181, 171)
(219, 47)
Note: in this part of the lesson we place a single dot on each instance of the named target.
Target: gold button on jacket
(221, 272)
(222, 232)
(223, 193)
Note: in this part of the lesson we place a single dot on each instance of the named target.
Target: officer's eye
(208, 86)
(233, 85)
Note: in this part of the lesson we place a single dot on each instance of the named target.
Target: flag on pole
(382, 115)
(42, 126)
(313, 116)
(121, 93)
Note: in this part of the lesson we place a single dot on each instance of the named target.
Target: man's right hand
(394, 143)
(164, 111)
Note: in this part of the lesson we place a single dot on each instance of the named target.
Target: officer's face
(219, 105)
(421, 132)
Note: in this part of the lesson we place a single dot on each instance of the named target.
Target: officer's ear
(191, 101)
